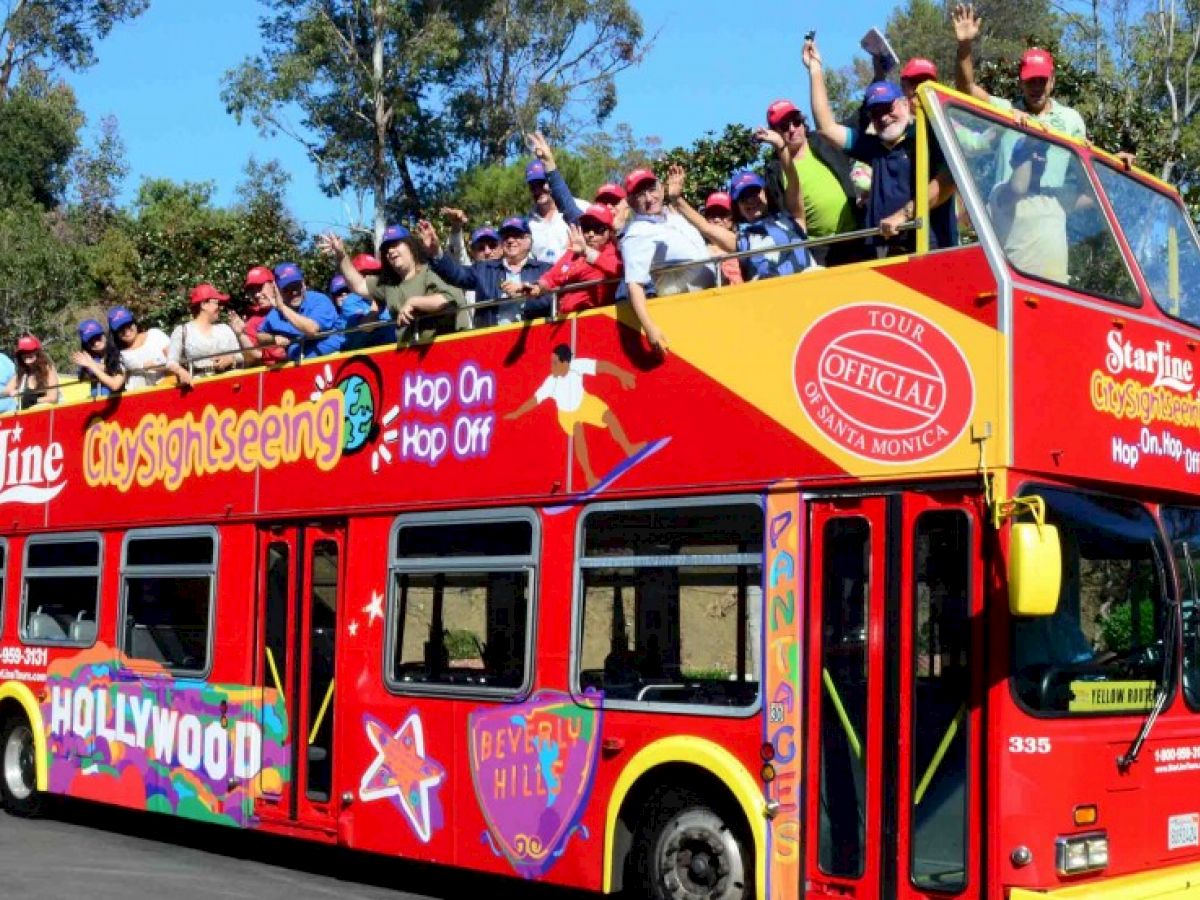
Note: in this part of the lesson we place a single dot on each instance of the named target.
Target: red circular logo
(884, 383)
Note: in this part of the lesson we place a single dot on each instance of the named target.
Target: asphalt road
(84, 852)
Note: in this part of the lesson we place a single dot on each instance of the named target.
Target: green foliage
(1116, 628)
(38, 125)
(461, 644)
(712, 160)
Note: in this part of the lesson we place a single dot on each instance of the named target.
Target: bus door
(893, 688)
(299, 593)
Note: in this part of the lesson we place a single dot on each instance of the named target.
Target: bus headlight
(1081, 853)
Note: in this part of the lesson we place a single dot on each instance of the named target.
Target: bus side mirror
(1034, 569)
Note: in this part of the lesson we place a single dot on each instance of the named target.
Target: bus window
(1043, 208)
(671, 600)
(323, 589)
(941, 676)
(1102, 650)
(62, 590)
(1163, 243)
(167, 582)
(461, 603)
(1182, 525)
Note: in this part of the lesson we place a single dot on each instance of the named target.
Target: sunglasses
(487, 244)
(880, 110)
(793, 121)
(592, 227)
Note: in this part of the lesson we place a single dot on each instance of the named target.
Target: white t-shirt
(550, 236)
(153, 352)
(567, 390)
(187, 343)
(1033, 231)
(653, 241)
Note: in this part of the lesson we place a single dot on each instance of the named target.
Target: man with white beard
(889, 146)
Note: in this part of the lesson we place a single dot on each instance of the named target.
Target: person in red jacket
(591, 255)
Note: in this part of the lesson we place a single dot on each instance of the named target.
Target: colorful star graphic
(353, 628)
(402, 773)
(374, 609)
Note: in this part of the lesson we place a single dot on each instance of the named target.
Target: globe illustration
(360, 412)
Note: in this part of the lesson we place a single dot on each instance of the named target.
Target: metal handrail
(454, 310)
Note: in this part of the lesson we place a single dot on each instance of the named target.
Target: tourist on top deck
(299, 313)
(758, 225)
(258, 305)
(7, 369)
(357, 310)
(592, 256)
(205, 346)
(417, 297)
(657, 237)
(493, 279)
(484, 244)
(547, 224)
(1037, 85)
(366, 264)
(915, 73)
(571, 207)
(143, 353)
(35, 380)
(826, 183)
(718, 212)
(891, 151)
(99, 360)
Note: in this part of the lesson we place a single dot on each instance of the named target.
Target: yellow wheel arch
(23, 696)
(703, 754)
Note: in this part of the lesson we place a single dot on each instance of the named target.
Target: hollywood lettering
(1167, 369)
(30, 473)
(883, 383)
(196, 743)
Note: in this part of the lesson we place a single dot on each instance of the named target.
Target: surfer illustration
(576, 407)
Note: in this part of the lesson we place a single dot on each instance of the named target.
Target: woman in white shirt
(143, 353)
(205, 346)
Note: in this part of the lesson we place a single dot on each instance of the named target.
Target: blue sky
(710, 65)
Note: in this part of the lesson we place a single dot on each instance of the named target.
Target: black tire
(18, 769)
(687, 848)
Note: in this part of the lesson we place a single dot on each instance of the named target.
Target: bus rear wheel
(687, 850)
(18, 769)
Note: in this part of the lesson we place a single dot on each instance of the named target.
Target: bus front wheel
(686, 849)
(18, 769)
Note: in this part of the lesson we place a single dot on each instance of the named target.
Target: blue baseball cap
(119, 317)
(337, 285)
(744, 181)
(287, 273)
(514, 223)
(393, 233)
(881, 93)
(89, 329)
(535, 171)
(486, 231)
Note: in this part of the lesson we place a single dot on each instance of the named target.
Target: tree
(38, 126)
(712, 161)
(358, 71)
(57, 32)
(97, 173)
(529, 63)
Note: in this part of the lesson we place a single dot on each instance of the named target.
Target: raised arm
(822, 112)
(966, 28)
(332, 245)
(714, 234)
(559, 190)
(793, 194)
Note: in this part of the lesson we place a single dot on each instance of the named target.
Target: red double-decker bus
(881, 585)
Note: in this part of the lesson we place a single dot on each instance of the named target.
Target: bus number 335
(1018, 744)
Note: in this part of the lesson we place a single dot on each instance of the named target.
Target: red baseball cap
(780, 110)
(918, 67)
(258, 275)
(615, 191)
(29, 344)
(206, 291)
(1036, 63)
(365, 262)
(638, 177)
(719, 200)
(600, 213)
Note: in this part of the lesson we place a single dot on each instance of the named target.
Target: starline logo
(29, 474)
(884, 383)
(1168, 370)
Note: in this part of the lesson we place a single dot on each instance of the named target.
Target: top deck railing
(455, 310)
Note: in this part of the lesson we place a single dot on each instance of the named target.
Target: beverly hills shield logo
(532, 766)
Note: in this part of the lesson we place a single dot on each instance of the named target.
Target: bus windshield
(1163, 244)
(1182, 525)
(1042, 207)
(1102, 650)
